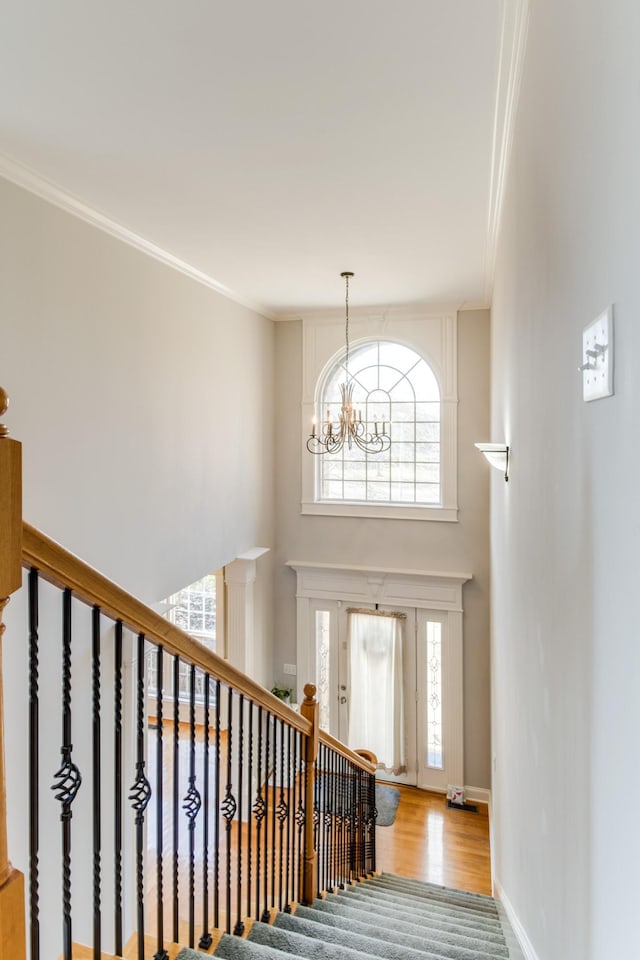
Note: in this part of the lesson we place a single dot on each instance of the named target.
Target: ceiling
(266, 146)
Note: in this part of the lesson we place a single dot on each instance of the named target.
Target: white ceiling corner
(261, 149)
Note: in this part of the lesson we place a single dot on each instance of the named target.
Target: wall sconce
(498, 456)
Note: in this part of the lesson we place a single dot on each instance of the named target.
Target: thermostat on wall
(597, 357)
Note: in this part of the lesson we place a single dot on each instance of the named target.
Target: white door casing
(425, 597)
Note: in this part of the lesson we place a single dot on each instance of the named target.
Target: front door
(352, 699)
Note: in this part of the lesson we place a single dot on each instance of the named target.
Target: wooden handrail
(344, 751)
(65, 570)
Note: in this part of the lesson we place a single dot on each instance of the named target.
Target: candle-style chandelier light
(350, 428)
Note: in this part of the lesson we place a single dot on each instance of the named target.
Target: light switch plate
(290, 669)
(597, 357)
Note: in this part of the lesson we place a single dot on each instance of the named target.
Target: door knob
(343, 699)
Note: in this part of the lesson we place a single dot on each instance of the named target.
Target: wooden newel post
(12, 908)
(309, 710)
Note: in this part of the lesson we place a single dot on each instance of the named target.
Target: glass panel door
(433, 702)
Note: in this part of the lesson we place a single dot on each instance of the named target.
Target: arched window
(394, 385)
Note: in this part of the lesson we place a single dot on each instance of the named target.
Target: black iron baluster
(206, 939)
(288, 896)
(97, 813)
(34, 778)
(300, 814)
(317, 831)
(176, 798)
(250, 708)
(283, 813)
(117, 781)
(259, 809)
(229, 805)
(239, 927)
(140, 795)
(352, 815)
(191, 805)
(266, 913)
(161, 953)
(374, 817)
(339, 823)
(274, 811)
(67, 779)
(216, 807)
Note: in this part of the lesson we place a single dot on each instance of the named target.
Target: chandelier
(350, 428)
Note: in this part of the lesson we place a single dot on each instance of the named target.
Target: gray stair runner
(386, 916)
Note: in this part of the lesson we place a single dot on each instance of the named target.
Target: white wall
(144, 402)
(565, 530)
(143, 399)
(408, 544)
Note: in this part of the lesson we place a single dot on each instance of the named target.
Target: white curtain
(376, 707)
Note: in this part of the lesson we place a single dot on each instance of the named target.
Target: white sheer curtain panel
(376, 703)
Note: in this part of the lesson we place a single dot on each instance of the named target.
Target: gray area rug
(387, 800)
(384, 917)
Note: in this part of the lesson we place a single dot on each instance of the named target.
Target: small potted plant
(282, 693)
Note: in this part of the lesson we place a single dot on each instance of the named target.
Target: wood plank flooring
(429, 841)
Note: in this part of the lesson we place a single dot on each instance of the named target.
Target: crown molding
(515, 22)
(23, 176)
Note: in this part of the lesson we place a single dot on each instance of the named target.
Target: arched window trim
(434, 338)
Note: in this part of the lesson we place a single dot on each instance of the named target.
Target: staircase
(385, 916)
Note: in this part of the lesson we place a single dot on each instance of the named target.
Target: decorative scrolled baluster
(192, 803)
(176, 798)
(34, 766)
(161, 953)
(67, 779)
(282, 814)
(97, 809)
(117, 781)
(216, 807)
(238, 930)
(206, 939)
(266, 913)
(140, 794)
(250, 708)
(229, 805)
(259, 810)
(300, 813)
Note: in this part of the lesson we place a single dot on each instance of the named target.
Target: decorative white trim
(403, 588)
(239, 577)
(326, 508)
(23, 176)
(434, 335)
(478, 795)
(515, 22)
(520, 933)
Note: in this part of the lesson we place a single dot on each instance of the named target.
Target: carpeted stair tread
(482, 911)
(449, 932)
(382, 918)
(424, 889)
(237, 948)
(372, 946)
(408, 912)
(287, 943)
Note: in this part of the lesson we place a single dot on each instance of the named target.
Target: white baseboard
(520, 933)
(477, 794)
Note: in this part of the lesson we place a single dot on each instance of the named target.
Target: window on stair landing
(394, 384)
(194, 610)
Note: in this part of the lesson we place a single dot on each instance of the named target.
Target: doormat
(469, 807)
(387, 800)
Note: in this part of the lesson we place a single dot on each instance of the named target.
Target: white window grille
(193, 609)
(392, 383)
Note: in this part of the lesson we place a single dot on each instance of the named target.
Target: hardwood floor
(429, 841)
